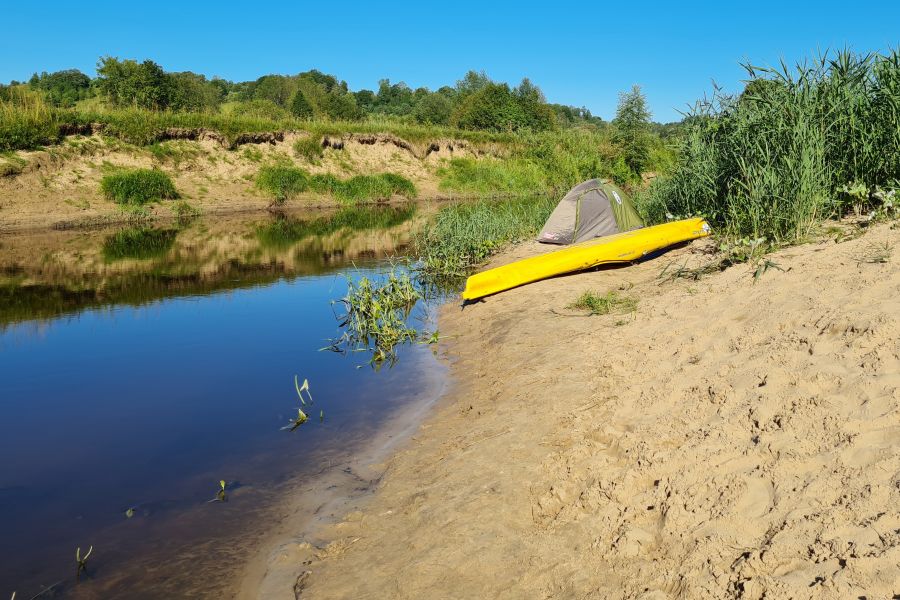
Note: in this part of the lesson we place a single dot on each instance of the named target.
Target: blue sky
(581, 54)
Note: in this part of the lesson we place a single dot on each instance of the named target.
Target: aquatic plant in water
(81, 561)
(375, 316)
(220, 494)
(302, 417)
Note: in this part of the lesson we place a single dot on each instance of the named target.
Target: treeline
(475, 102)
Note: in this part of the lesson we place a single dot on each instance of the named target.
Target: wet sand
(733, 438)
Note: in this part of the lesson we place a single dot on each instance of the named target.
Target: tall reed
(771, 162)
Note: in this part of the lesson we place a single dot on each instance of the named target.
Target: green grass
(776, 160)
(464, 235)
(137, 186)
(609, 303)
(282, 183)
(310, 148)
(138, 243)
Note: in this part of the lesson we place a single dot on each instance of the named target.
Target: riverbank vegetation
(462, 236)
(534, 144)
(283, 182)
(796, 146)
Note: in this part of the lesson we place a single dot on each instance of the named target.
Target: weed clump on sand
(138, 186)
(282, 182)
(463, 236)
(609, 303)
(309, 148)
(185, 212)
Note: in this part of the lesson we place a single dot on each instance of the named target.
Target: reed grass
(464, 235)
(772, 161)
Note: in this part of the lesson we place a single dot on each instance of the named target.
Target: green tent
(590, 210)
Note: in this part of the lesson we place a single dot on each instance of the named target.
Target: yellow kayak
(621, 247)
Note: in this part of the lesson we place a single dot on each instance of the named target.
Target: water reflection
(58, 273)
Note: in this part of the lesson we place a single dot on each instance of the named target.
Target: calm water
(138, 367)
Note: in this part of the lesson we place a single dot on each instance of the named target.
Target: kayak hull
(621, 247)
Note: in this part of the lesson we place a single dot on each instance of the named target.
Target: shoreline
(341, 489)
(613, 456)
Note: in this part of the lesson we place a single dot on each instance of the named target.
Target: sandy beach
(733, 438)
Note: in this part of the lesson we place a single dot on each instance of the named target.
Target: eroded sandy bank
(731, 440)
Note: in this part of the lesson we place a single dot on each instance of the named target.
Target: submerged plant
(81, 561)
(220, 496)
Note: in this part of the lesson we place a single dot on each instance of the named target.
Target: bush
(495, 107)
(282, 183)
(138, 186)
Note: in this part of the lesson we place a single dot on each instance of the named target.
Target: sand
(733, 438)
(60, 187)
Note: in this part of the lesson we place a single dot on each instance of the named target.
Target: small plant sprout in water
(220, 495)
(321, 416)
(81, 561)
(296, 422)
(302, 388)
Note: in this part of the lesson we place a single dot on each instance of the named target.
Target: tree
(190, 91)
(62, 88)
(632, 127)
(300, 106)
(129, 83)
(276, 88)
(537, 114)
(433, 109)
(472, 82)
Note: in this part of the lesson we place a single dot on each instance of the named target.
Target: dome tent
(590, 210)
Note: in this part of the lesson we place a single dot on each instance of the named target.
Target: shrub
(138, 186)
(281, 182)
